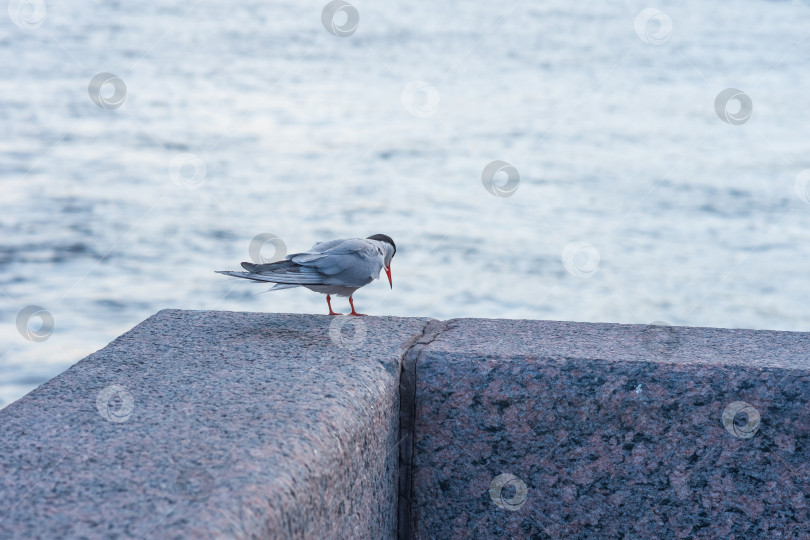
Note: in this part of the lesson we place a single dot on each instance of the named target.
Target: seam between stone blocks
(407, 420)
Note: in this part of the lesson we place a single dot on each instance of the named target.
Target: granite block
(247, 425)
(539, 429)
(212, 425)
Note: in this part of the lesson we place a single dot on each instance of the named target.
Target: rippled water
(669, 213)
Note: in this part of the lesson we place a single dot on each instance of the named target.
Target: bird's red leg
(329, 303)
(351, 303)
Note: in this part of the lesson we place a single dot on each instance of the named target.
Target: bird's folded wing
(280, 272)
(354, 262)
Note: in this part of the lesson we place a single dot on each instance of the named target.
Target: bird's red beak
(388, 273)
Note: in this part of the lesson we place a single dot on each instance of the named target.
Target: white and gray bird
(337, 267)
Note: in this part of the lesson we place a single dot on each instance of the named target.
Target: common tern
(337, 267)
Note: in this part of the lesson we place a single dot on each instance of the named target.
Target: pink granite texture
(615, 431)
(233, 425)
(247, 425)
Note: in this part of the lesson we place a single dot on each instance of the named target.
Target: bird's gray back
(353, 262)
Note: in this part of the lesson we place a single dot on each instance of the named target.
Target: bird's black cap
(384, 238)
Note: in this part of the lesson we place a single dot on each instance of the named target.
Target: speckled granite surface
(213, 424)
(247, 425)
(533, 429)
